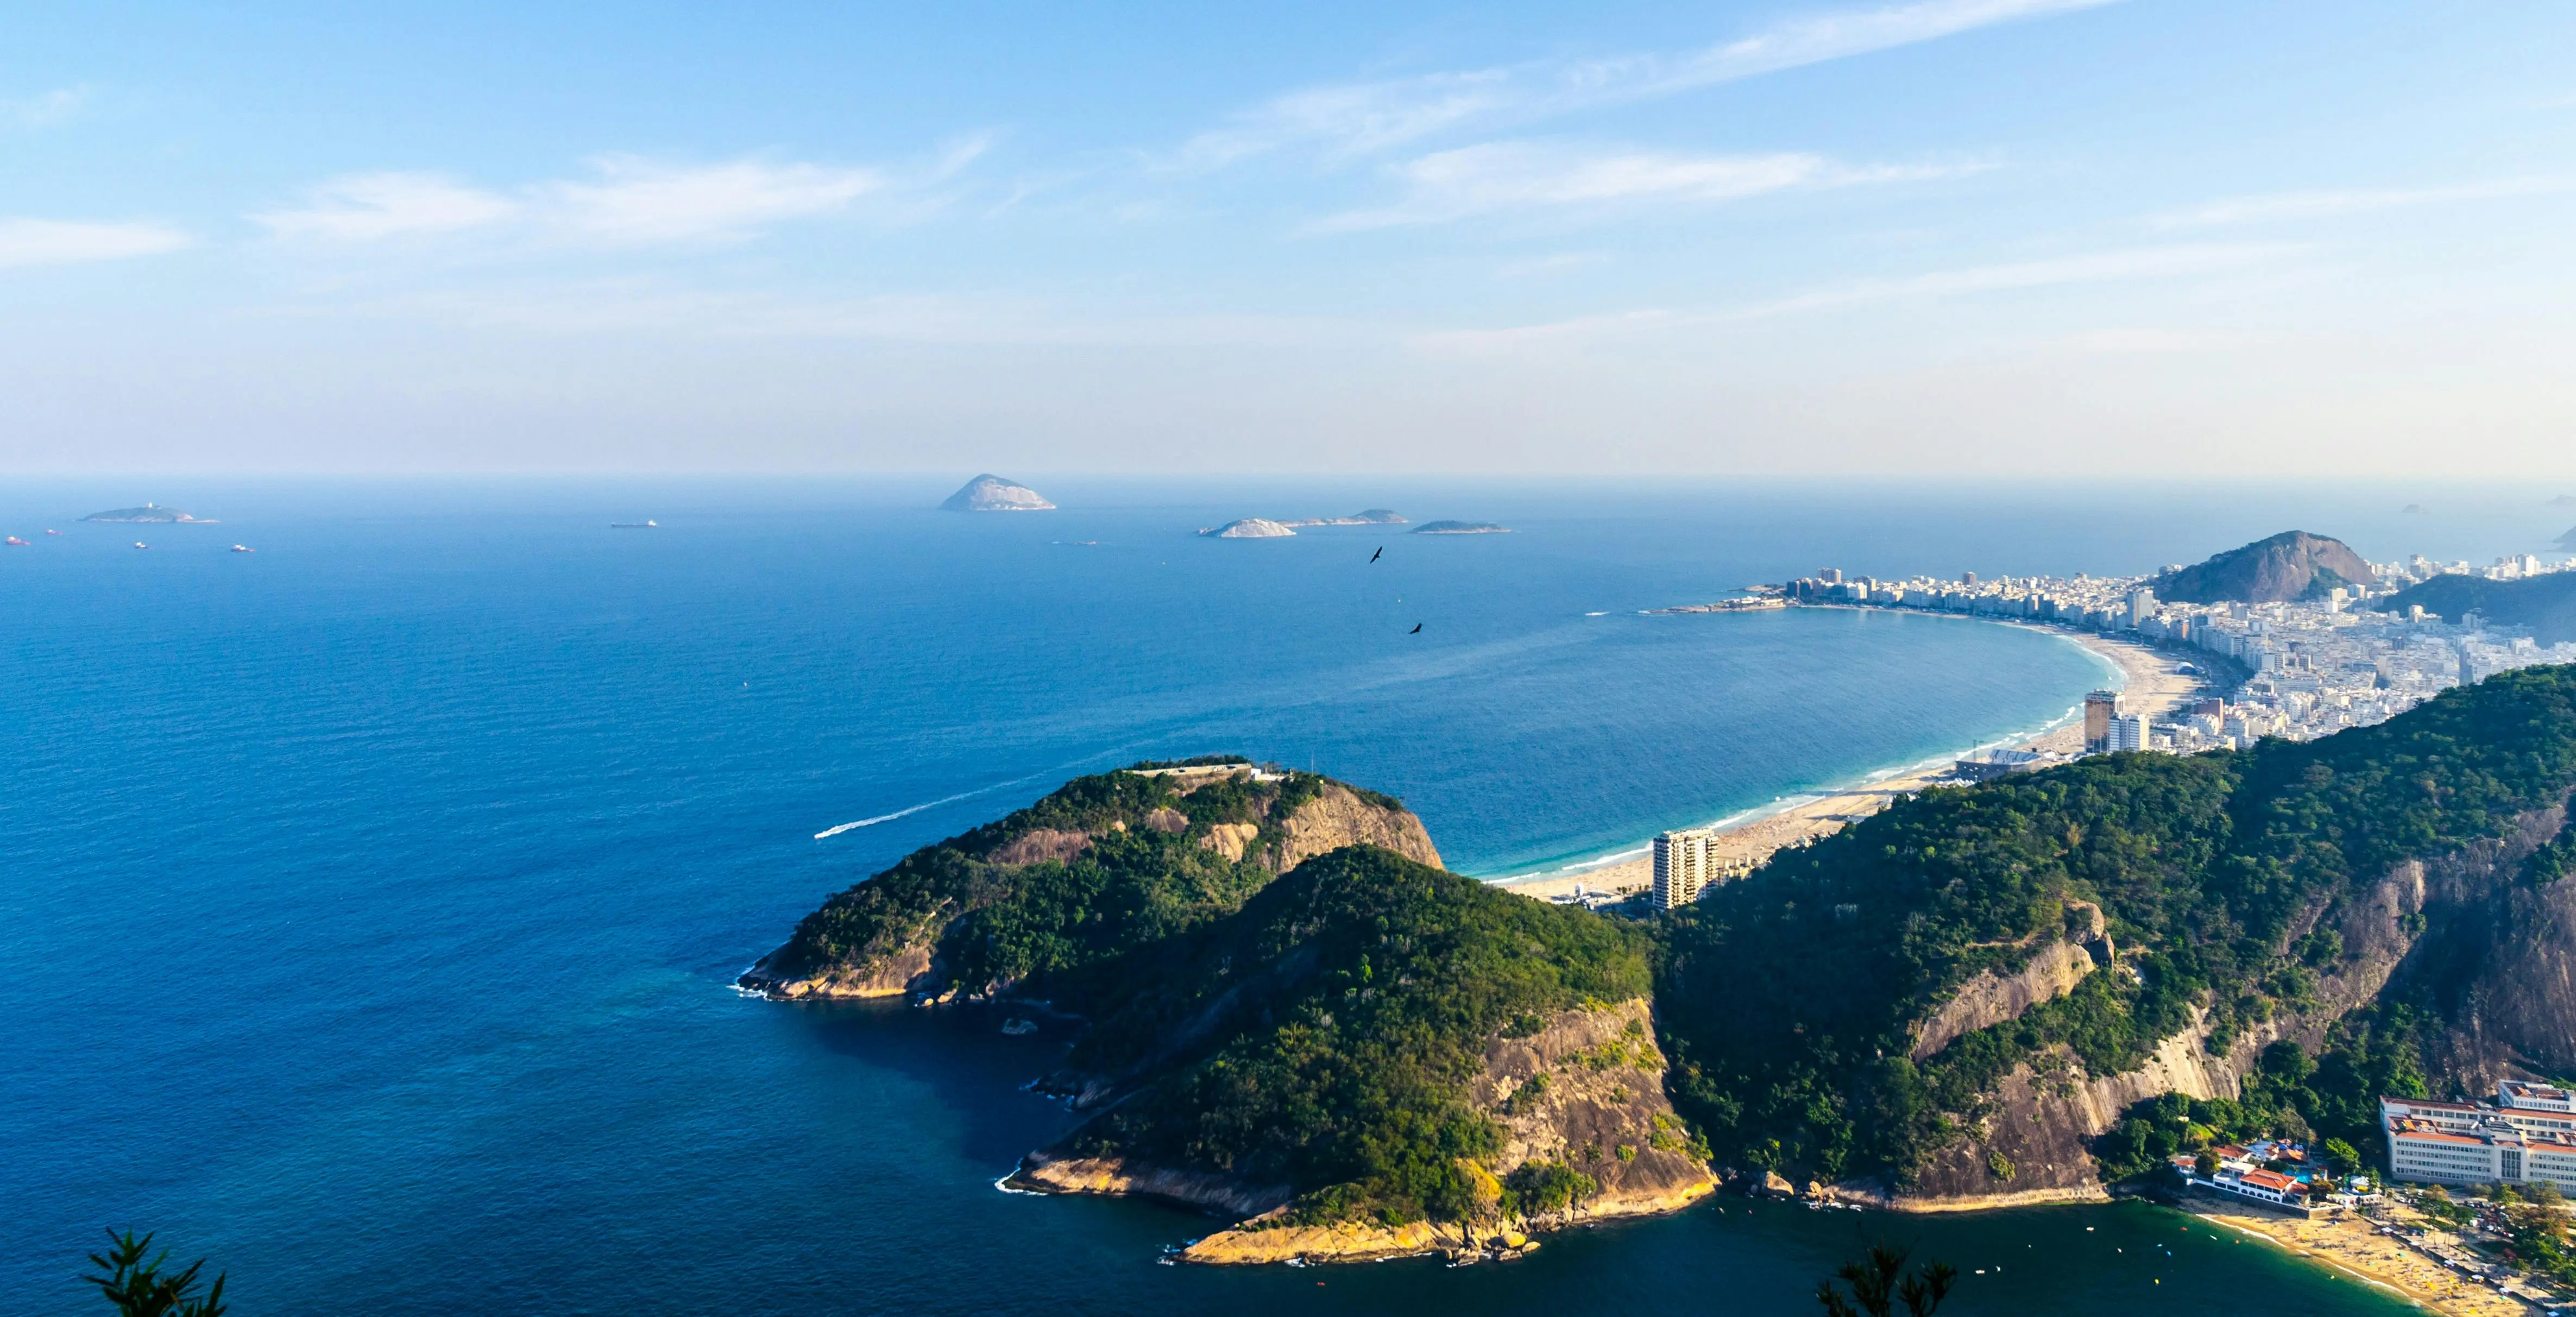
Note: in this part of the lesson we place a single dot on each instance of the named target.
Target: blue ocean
(369, 902)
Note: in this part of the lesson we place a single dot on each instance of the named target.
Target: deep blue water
(368, 902)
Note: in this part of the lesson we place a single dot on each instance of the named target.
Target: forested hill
(1793, 1002)
(1101, 865)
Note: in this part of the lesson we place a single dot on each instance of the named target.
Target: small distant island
(151, 512)
(1248, 528)
(991, 493)
(1367, 517)
(1263, 528)
(1461, 528)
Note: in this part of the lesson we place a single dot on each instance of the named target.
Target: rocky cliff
(1584, 1091)
(2463, 931)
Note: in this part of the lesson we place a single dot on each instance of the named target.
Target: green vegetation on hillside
(1322, 1037)
(1789, 1000)
(1142, 874)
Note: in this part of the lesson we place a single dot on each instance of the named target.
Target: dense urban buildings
(2311, 668)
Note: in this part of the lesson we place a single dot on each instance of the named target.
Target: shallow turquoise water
(370, 901)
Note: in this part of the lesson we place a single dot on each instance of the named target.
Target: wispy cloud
(61, 105)
(2279, 206)
(366, 207)
(1529, 175)
(636, 201)
(626, 201)
(1361, 117)
(62, 242)
(2092, 268)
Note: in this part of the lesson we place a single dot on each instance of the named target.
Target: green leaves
(138, 1289)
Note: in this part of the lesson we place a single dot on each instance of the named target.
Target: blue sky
(1946, 237)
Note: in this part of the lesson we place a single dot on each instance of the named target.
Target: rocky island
(991, 493)
(1248, 528)
(149, 512)
(1461, 528)
(2032, 989)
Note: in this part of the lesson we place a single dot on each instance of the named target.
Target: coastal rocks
(1248, 528)
(1461, 528)
(1118, 1177)
(1270, 1239)
(1585, 1089)
(991, 493)
(907, 970)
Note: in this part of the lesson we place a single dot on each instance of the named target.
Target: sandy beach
(2350, 1246)
(2154, 684)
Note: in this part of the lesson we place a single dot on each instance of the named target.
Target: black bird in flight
(1380, 549)
(1417, 630)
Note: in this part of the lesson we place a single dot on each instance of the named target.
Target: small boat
(53, 532)
(244, 548)
(16, 543)
(635, 525)
(141, 545)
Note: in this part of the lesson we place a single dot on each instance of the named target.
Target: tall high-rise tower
(1682, 866)
(2100, 708)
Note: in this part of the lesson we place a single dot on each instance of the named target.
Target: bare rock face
(1587, 1090)
(1230, 839)
(1038, 845)
(2496, 955)
(1339, 818)
(1991, 998)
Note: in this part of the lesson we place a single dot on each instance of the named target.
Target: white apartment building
(1683, 867)
(2530, 1134)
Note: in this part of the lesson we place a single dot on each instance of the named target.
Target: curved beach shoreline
(2149, 680)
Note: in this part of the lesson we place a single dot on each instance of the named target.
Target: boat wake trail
(888, 818)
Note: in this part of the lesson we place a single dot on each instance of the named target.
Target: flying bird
(1374, 556)
(1417, 630)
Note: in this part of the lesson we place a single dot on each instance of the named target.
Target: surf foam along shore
(1753, 835)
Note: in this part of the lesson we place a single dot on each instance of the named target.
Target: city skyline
(1949, 237)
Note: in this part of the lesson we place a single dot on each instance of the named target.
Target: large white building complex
(2528, 1134)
